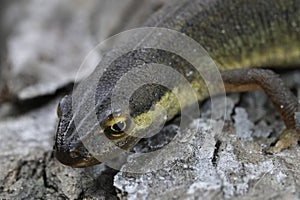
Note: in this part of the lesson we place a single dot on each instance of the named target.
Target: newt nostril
(74, 154)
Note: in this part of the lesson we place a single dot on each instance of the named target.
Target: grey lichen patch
(220, 166)
(246, 129)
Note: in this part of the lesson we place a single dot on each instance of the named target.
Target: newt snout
(68, 147)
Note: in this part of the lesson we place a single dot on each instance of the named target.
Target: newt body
(237, 34)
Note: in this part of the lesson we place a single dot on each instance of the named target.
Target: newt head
(90, 137)
(95, 125)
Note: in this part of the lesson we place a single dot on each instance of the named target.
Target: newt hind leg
(284, 101)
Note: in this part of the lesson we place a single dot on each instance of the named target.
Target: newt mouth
(74, 158)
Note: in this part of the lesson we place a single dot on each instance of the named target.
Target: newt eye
(115, 128)
(119, 127)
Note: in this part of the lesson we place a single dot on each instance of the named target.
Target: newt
(245, 38)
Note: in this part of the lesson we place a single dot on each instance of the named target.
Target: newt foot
(288, 138)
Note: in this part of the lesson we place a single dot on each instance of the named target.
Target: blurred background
(44, 43)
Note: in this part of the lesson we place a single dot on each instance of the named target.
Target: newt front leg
(284, 101)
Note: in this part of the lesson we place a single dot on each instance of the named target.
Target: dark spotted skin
(237, 34)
